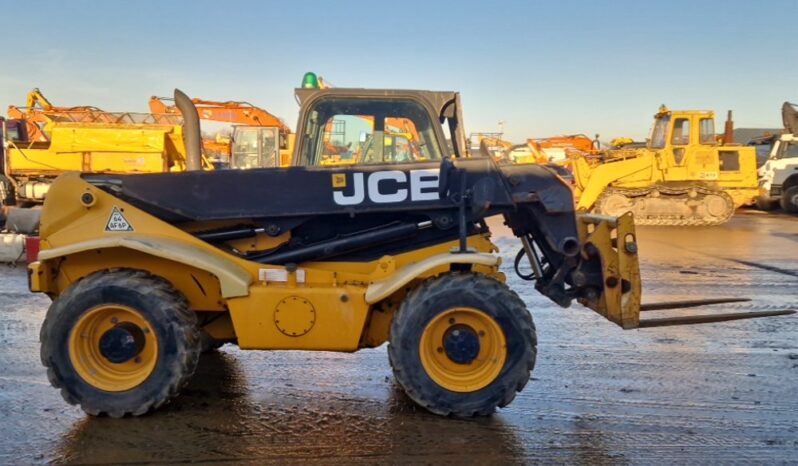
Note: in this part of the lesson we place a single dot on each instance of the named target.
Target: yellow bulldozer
(684, 175)
(148, 270)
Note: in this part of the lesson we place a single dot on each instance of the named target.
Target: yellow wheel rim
(450, 356)
(102, 337)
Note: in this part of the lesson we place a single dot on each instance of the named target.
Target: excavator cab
(255, 147)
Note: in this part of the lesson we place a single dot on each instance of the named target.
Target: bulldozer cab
(689, 149)
(376, 127)
(680, 133)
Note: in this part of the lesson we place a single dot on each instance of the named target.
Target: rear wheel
(119, 342)
(462, 344)
(789, 200)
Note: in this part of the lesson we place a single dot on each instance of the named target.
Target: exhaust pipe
(191, 131)
(728, 130)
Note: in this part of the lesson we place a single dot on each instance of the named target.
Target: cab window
(788, 150)
(681, 132)
(706, 131)
(245, 149)
(255, 147)
(658, 137)
(351, 131)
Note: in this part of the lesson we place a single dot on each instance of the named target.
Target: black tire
(789, 200)
(454, 290)
(763, 203)
(166, 310)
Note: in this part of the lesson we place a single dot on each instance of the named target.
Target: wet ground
(707, 393)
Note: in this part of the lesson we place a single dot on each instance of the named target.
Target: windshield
(659, 132)
(352, 131)
(787, 150)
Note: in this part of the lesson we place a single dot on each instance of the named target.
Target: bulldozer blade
(689, 303)
(711, 318)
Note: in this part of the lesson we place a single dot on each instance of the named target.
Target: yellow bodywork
(340, 306)
(682, 158)
(321, 305)
(111, 148)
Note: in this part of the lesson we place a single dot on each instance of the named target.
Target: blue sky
(544, 68)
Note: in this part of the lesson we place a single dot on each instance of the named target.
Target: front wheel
(462, 344)
(789, 200)
(119, 342)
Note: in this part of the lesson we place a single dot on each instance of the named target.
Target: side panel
(307, 318)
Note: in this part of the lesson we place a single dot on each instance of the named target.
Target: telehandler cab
(145, 271)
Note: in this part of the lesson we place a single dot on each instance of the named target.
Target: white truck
(778, 176)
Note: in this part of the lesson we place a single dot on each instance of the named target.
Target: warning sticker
(118, 222)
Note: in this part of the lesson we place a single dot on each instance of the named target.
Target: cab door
(703, 162)
(678, 152)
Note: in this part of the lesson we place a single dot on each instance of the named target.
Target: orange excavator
(259, 139)
(556, 148)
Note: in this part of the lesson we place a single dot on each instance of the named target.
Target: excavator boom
(242, 113)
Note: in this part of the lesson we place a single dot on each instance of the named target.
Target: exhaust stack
(191, 131)
(728, 130)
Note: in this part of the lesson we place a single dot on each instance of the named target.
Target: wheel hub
(463, 349)
(461, 344)
(122, 343)
(113, 347)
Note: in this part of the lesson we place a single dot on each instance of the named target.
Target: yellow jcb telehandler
(146, 271)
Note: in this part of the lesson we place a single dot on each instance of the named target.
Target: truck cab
(778, 177)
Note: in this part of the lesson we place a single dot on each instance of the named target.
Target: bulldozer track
(676, 193)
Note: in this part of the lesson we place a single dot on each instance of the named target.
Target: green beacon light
(310, 81)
